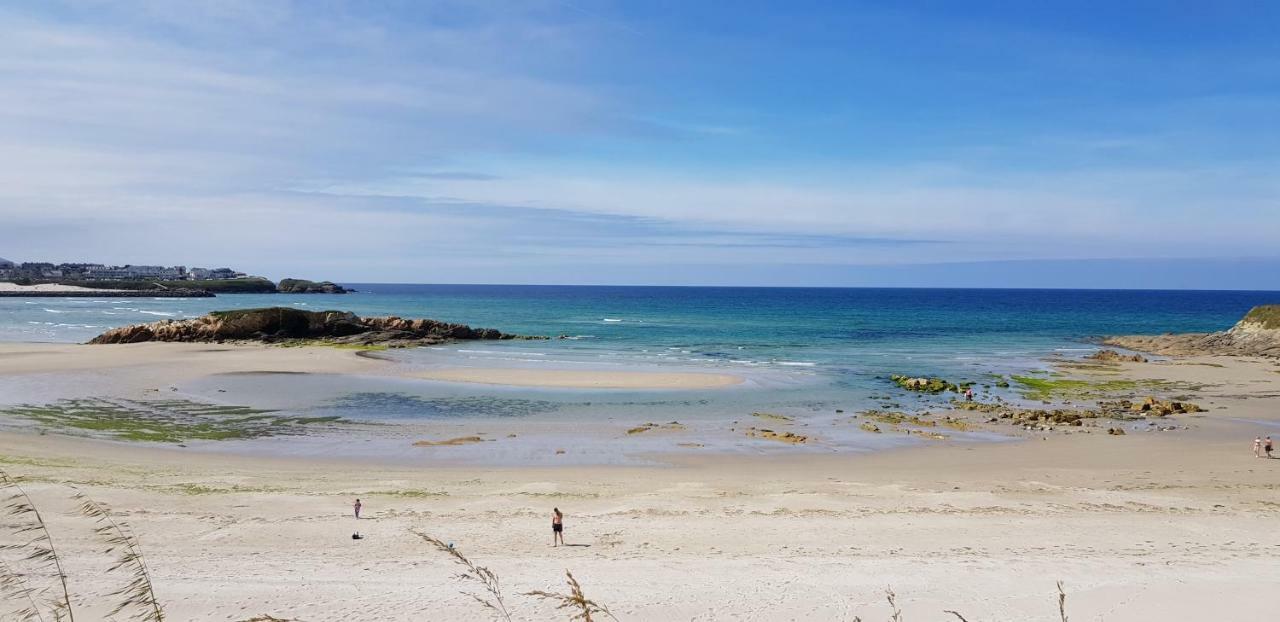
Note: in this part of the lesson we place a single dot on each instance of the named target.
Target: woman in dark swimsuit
(557, 527)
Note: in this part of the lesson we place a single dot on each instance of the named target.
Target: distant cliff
(1256, 334)
(282, 324)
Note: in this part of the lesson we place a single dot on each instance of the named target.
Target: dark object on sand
(282, 324)
(357, 536)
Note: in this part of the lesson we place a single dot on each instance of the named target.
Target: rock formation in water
(303, 286)
(281, 324)
(1257, 334)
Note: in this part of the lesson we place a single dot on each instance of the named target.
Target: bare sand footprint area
(1176, 525)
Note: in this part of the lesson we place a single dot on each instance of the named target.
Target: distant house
(202, 274)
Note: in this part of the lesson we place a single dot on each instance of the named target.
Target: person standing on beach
(357, 507)
(557, 527)
(1257, 447)
(1266, 446)
(968, 394)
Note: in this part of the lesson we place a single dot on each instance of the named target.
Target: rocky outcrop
(928, 385)
(303, 286)
(1257, 334)
(1111, 356)
(278, 324)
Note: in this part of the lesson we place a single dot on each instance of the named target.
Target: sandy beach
(1168, 526)
(183, 361)
(49, 287)
(1151, 528)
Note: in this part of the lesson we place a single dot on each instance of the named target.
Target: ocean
(805, 353)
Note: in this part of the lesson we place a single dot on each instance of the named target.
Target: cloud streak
(474, 136)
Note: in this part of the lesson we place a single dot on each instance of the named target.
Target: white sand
(50, 287)
(184, 361)
(1147, 526)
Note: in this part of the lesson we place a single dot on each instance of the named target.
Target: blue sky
(811, 143)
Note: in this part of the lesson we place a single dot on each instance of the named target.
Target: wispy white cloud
(472, 136)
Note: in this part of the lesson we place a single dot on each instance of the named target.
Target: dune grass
(38, 568)
(1268, 316)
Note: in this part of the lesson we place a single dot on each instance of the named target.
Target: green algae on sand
(164, 421)
(1058, 387)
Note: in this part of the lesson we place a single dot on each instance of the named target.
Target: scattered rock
(1152, 407)
(773, 416)
(461, 440)
(674, 425)
(1115, 431)
(928, 385)
(785, 437)
(937, 436)
(1111, 356)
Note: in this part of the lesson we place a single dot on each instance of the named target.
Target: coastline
(11, 290)
(1150, 524)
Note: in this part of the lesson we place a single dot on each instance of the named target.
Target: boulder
(1111, 356)
(282, 323)
(303, 286)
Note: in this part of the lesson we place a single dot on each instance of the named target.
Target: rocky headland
(286, 325)
(1256, 334)
(303, 286)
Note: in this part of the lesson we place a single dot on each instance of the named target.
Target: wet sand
(184, 361)
(585, 379)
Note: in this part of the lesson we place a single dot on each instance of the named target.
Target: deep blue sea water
(787, 318)
(804, 352)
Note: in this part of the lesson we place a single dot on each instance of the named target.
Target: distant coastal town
(70, 278)
(46, 271)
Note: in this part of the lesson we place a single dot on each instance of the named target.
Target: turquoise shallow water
(805, 353)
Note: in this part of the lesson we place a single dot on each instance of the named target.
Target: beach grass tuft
(40, 561)
(35, 544)
(486, 578)
(575, 600)
(138, 595)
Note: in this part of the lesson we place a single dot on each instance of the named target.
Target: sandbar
(51, 287)
(581, 379)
